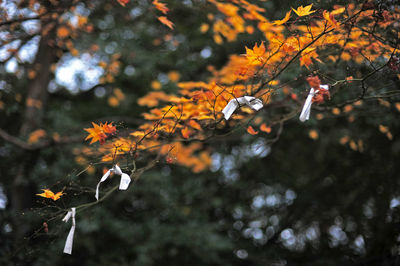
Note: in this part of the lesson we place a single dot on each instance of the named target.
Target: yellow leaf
(49, 194)
(174, 76)
(338, 11)
(155, 85)
(284, 20)
(204, 27)
(303, 11)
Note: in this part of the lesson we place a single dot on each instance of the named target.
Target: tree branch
(41, 145)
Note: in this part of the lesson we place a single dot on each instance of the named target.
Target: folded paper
(254, 103)
(305, 112)
(124, 183)
(70, 237)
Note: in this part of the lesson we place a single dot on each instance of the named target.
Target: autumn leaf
(164, 20)
(99, 132)
(160, 6)
(321, 96)
(185, 132)
(108, 128)
(62, 32)
(194, 124)
(330, 18)
(36, 135)
(123, 2)
(255, 56)
(314, 81)
(265, 128)
(251, 131)
(313, 134)
(49, 194)
(284, 20)
(303, 11)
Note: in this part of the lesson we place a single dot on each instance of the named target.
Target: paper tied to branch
(254, 103)
(70, 237)
(124, 183)
(305, 112)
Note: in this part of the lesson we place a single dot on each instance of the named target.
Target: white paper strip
(105, 176)
(117, 170)
(305, 112)
(254, 103)
(125, 180)
(123, 184)
(70, 237)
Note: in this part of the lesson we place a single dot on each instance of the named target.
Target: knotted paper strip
(124, 183)
(254, 103)
(70, 237)
(305, 113)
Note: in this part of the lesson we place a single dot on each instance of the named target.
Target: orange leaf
(314, 82)
(123, 2)
(36, 135)
(50, 195)
(256, 56)
(160, 6)
(62, 32)
(108, 128)
(194, 125)
(99, 132)
(284, 20)
(251, 131)
(313, 134)
(185, 132)
(264, 128)
(164, 20)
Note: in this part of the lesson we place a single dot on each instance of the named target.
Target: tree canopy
(217, 132)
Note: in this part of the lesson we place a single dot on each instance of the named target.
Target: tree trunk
(23, 188)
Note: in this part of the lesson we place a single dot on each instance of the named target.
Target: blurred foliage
(327, 198)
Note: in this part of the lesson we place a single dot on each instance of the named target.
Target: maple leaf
(194, 125)
(255, 56)
(313, 81)
(284, 20)
(185, 133)
(164, 20)
(50, 195)
(96, 133)
(160, 6)
(321, 96)
(330, 18)
(99, 132)
(108, 128)
(303, 11)
(265, 128)
(251, 131)
(123, 2)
